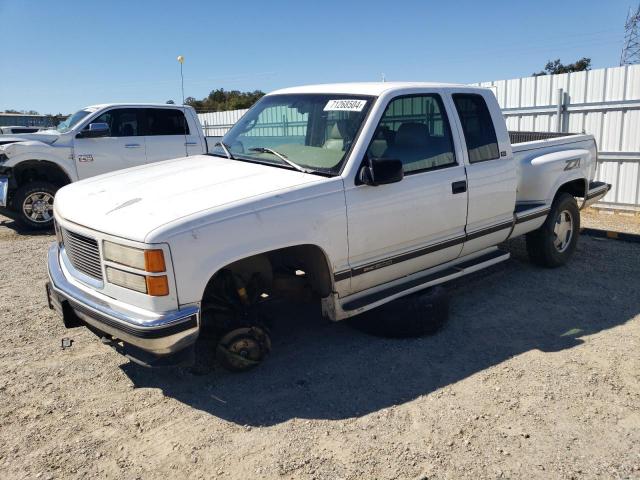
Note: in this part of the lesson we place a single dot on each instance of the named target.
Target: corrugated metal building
(25, 120)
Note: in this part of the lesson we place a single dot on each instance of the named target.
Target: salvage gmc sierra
(359, 193)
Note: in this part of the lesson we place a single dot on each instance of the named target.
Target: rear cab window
(166, 121)
(477, 126)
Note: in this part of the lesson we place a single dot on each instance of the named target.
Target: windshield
(72, 121)
(313, 131)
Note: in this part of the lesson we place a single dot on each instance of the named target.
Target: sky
(61, 56)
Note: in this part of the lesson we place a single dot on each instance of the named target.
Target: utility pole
(181, 61)
(631, 49)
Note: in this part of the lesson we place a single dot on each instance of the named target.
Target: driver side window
(415, 130)
(123, 122)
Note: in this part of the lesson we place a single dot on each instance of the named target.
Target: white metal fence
(603, 102)
(216, 124)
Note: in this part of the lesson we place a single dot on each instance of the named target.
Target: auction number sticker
(345, 105)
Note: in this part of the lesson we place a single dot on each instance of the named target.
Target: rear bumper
(597, 190)
(146, 337)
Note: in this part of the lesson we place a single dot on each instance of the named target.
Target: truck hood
(47, 136)
(132, 203)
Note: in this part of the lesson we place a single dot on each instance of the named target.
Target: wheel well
(40, 170)
(309, 259)
(577, 188)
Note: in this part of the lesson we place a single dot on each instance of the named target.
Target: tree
(554, 67)
(220, 100)
(24, 112)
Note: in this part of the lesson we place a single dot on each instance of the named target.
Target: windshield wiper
(226, 150)
(282, 157)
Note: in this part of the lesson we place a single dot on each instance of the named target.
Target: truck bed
(525, 137)
(542, 157)
(524, 141)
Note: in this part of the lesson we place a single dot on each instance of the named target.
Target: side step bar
(456, 270)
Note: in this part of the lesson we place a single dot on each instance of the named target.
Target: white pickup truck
(352, 194)
(94, 140)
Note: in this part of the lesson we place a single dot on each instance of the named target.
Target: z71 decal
(573, 163)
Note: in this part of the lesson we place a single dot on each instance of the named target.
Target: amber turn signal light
(154, 261)
(158, 286)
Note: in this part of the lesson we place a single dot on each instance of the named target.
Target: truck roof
(134, 104)
(368, 88)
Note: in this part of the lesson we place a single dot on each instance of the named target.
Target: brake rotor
(243, 348)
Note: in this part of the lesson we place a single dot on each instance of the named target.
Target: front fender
(62, 157)
(207, 246)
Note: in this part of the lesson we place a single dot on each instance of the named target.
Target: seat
(417, 149)
(335, 141)
(380, 142)
(410, 143)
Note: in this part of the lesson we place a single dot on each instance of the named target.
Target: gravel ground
(536, 375)
(608, 220)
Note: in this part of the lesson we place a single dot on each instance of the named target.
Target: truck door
(169, 136)
(491, 171)
(122, 147)
(404, 227)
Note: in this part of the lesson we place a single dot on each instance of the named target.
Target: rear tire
(553, 244)
(416, 315)
(33, 204)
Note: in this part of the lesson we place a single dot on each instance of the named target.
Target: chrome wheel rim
(563, 231)
(38, 207)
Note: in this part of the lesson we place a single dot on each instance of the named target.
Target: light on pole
(181, 61)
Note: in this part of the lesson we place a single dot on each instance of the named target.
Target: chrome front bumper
(4, 191)
(133, 332)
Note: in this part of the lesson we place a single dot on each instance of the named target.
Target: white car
(92, 141)
(359, 193)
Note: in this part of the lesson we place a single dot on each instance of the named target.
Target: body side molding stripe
(386, 262)
(531, 216)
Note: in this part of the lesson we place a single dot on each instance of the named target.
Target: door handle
(190, 144)
(132, 145)
(459, 187)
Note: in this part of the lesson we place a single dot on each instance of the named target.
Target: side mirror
(95, 130)
(380, 171)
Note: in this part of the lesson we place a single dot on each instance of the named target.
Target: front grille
(83, 253)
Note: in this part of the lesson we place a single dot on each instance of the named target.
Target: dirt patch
(625, 222)
(535, 375)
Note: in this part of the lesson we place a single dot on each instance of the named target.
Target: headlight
(147, 260)
(129, 280)
(156, 286)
